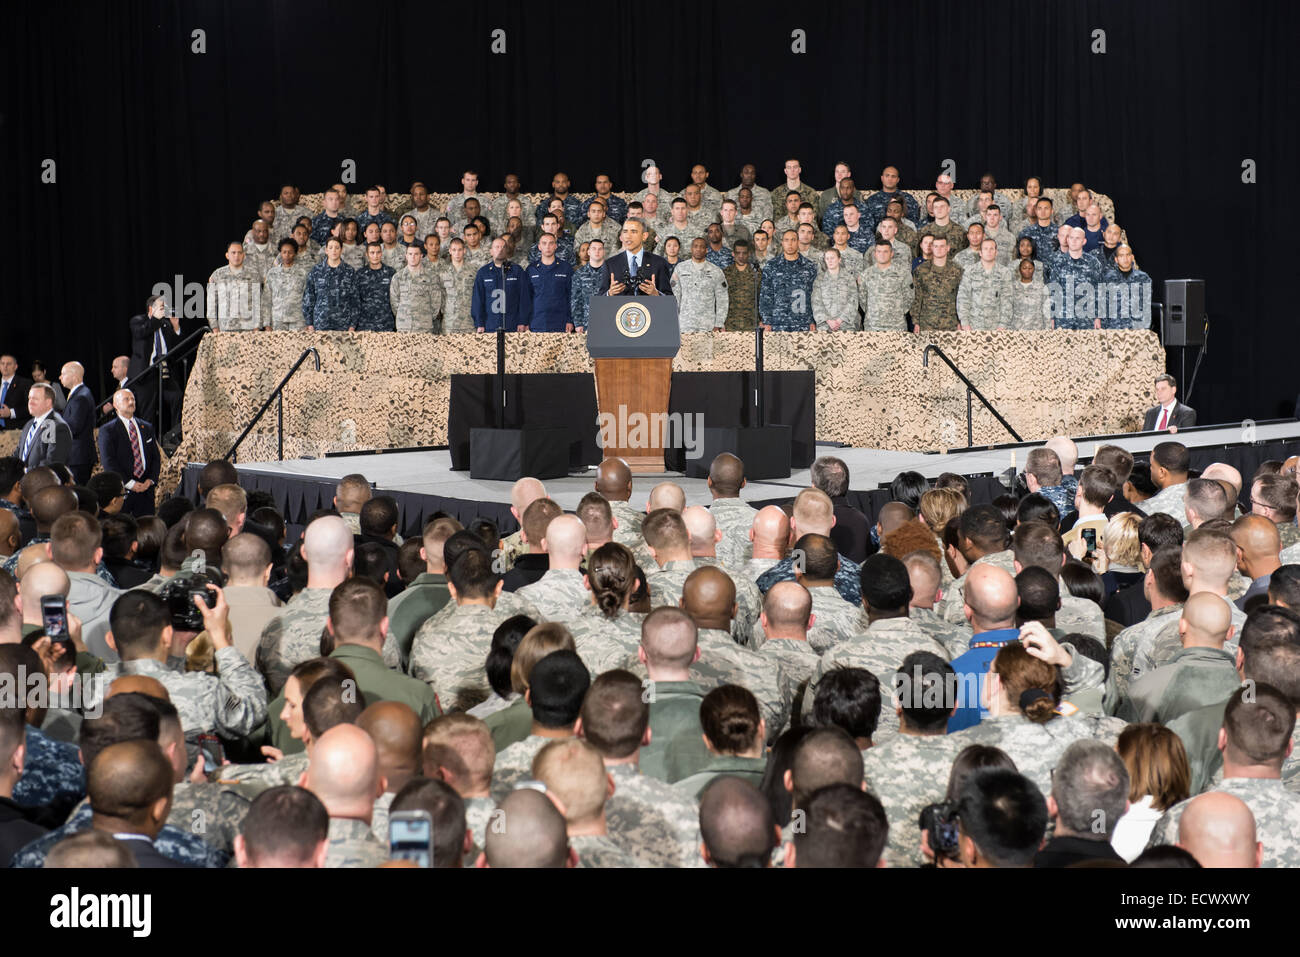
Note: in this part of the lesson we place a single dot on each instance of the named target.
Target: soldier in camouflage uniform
(415, 295)
(561, 593)
(784, 624)
(701, 292)
(394, 252)
(604, 642)
(329, 301)
(984, 294)
(934, 305)
(652, 820)
(451, 654)
(1171, 500)
(582, 286)
(52, 774)
(1031, 308)
(235, 294)
(352, 844)
(457, 277)
(742, 279)
(786, 290)
(794, 183)
(293, 636)
(885, 291)
(259, 254)
(178, 844)
(374, 298)
(835, 296)
(282, 289)
(255, 778)
(598, 225)
(907, 773)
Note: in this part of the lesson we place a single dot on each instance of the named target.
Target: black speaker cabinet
(765, 451)
(1184, 323)
(507, 455)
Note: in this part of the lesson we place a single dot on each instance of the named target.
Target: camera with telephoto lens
(178, 594)
(940, 822)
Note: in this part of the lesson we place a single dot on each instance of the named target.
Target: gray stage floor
(430, 472)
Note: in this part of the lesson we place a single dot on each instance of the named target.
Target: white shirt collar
(40, 418)
(126, 422)
(1170, 406)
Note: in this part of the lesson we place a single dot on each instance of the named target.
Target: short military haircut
(1118, 460)
(1279, 493)
(848, 698)
(218, 472)
(1039, 595)
(353, 491)
(49, 503)
(820, 559)
(537, 516)
(1159, 530)
(136, 621)
(229, 499)
(92, 848)
(1098, 485)
(126, 779)
(1004, 814)
(1166, 568)
(921, 686)
(284, 827)
(557, 686)
(1211, 552)
(813, 507)
(530, 832)
(356, 608)
(1044, 465)
(1038, 545)
(595, 514)
(74, 538)
(447, 810)
(885, 583)
(730, 716)
(983, 525)
(669, 637)
(1258, 723)
(665, 530)
(736, 823)
(206, 531)
(124, 717)
(246, 555)
(727, 473)
(1284, 586)
(330, 702)
(106, 486)
(1171, 456)
(471, 574)
(379, 516)
(825, 756)
(1090, 785)
(615, 714)
(119, 531)
(844, 826)
(461, 743)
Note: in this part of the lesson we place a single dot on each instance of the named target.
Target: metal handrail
(970, 389)
(276, 393)
(182, 350)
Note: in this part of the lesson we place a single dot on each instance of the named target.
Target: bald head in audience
(770, 532)
(130, 788)
(398, 737)
(787, 611)
(524, 493)
(1218, 830)
(737, 827)
(344, 772)
(1224, 473)
(666, 495)
(1206, 621)
(246, 560)
(565, 541)
(990, 598)
(1065, 450)
(327, 546)
(726, 476)
(43, 578)
(529, 832)
(892, 515)
(614, 480)
(703, 530)
(709, 597)
(1258, 545)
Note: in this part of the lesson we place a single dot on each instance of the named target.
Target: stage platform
(423, 481)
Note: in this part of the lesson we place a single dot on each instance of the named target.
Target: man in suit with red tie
(127, 447)
(1170, 415)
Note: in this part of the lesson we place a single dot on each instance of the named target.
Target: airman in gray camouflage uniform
(885, 291)
(666, 589)
(293, 636)
(734, 517)
(1124, 647)
(1169, 500)
(1037, 747)
(797, 661)
(984, 295)
(652, 820)
(458, 293)
(351, 844)
(722, 661)
(260, 777)
(954, 595)
(415, 294)
(1030, 304)
(559, 594)
(451, 654)
(603, 643)
(701, 292)
(1277, 818)
(908, 772)
(600, 851)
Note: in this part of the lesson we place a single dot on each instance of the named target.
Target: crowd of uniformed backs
(791, 258)
(1062, 672)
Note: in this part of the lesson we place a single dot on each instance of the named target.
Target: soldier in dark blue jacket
(329, 300)
(503, 296)
(550, 279)
(374, 306)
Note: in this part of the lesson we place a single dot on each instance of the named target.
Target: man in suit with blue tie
(79, 413)
(46, 439)
(13, 394)
(127, 447)
(619, 274)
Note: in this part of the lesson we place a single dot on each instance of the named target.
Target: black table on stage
(568, 401)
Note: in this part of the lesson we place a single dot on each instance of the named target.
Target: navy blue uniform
(550, 287)
(503, 297)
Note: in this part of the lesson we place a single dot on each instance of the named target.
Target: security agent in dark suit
(121, 441)
(130, 787)
(650, 276)
(79, 413)
(1170, 412)
(153, 335)
(46, 438)
(13, 395)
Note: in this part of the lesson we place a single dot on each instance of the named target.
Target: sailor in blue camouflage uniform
(550, 279)
(716, 250)
(52, 773)
(583, 284)
(560, 190)
(374, 211)
(615, 207)
(786, 288)
(1043, 234)
(833, 215)
(1074, 282)
(327, 219)
(329, 302)
(1129, 288)
(877, 203)
(503, 296)
(564, 250)
(374, 302)
(171, 842)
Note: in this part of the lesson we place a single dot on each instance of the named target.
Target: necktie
(4, 394)
(137, 453)
(1164, 420)
(27, 442)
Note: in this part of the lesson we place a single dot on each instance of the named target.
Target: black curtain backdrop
(162, 154)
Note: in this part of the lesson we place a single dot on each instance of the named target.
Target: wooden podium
(632, 341)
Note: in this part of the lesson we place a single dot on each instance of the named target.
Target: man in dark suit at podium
(1170, 413)
(621, 270)
(127, 447)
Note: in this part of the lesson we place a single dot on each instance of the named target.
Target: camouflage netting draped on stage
(391, 390)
